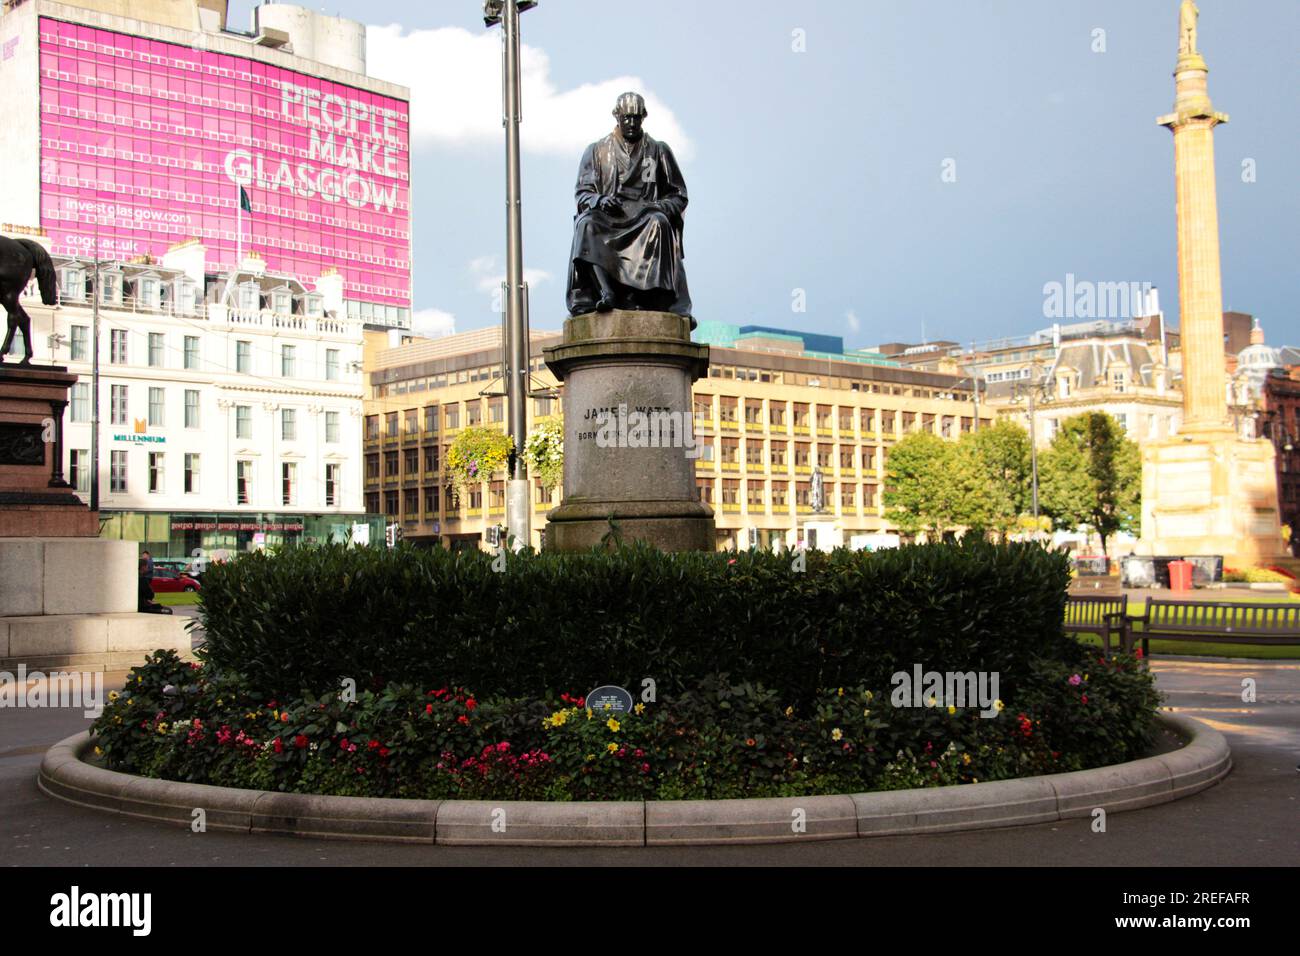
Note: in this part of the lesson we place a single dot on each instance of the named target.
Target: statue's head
(629, 111)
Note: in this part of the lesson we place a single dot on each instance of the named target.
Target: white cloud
(455, 81)
(433, 323)
(490, 277)
(855, 324)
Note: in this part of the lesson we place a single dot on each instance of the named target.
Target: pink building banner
(145, 144)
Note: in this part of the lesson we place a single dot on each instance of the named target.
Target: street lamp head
(492, 10)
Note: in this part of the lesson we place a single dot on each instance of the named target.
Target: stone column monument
(1204, 491)
(627, 360)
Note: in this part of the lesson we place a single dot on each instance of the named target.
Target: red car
(165, 579)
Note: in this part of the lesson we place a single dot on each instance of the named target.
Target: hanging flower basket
(476, 454)
(544, 452)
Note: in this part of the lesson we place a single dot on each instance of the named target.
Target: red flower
(1085, 698)
(300, 742)
(1139, 653)
(428, 708)
(463, 719)
(279, 745)
(582, 702)
(343, 744)
(383, 751)
(373, 745)
(471, 704)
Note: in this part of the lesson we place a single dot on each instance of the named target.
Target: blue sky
(821, 170)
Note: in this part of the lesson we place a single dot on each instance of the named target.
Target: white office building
(229, 406)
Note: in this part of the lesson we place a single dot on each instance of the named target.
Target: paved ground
(1248, 820)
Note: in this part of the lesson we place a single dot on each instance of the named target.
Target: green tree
(1092, 475)
(916, 495)
(1002, 485)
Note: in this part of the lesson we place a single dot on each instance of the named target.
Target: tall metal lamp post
(1034, 392)
(515, 345)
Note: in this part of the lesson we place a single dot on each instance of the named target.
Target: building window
(331, 485)
(776, 413)
(411, 504)
(411, 421)
(80, 343)
(288, 424)
(431, 458)
(705, 486)
(191, 351)
(243, 357)
(288, 483)
(157, 343)
(390, 503)
(191, 473)
(288, 361)
(452, 413)
(411, 463)
(331, 365)
(431, 418)
(390, 464)
(81, 402)
(243, 481)
(332, 427)
(496, 410)
(473, 413)
(243, 421)
(372, 427)
(117, 346)
(117, 405)
(155, 472)
(157, 404)
(79, 469)
(117, 473)
(191, 408)
(372, 466)
(390, 425)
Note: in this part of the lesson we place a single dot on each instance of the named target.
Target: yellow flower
(608, 706)
(789, 711)
(837, 734)
(219, 701)
(952, 709)
(99, 751)
(112, 695)
(974, 779)
(998, 705)
(841, 692)
(1085, 676)
(613, 724)
(965, 758)
(639, 708)
(589, 713)
(870, 696)
(591, 757)
(867, 712)
(611, 747)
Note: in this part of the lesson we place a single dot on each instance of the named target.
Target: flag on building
(244, 202)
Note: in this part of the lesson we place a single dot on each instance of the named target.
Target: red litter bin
(1180, 575)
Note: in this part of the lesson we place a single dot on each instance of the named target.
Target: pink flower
(1075, 680)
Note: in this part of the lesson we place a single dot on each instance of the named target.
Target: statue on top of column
(1187, 15)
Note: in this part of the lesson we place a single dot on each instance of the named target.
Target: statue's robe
(639, 245)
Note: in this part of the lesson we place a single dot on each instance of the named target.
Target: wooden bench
(1215, 622)
(1097, 614)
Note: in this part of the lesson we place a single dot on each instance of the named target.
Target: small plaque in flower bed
(610, 697)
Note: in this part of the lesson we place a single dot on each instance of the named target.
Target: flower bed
(197, 723)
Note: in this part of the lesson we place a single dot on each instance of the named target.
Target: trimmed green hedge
(305, 619)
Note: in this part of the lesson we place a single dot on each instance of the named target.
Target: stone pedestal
(34, 497)
(1211, 493)
(629, 440)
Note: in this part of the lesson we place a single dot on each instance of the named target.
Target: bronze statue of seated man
(627, 234)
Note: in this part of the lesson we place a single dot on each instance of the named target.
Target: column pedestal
(629, 442)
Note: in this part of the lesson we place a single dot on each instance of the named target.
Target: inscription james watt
(638, 426)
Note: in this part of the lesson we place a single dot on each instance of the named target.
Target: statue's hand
(607, 204)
